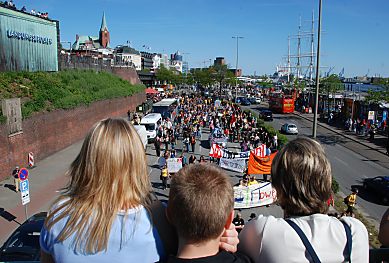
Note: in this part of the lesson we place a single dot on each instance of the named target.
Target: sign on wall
(12, 111)
(27, 42)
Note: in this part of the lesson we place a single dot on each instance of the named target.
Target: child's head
(201, 202)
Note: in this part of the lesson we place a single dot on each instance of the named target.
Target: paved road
(351, 162)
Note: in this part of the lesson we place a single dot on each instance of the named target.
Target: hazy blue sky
(356, 32)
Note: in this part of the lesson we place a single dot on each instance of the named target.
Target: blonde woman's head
(108, 175)
(111, 165)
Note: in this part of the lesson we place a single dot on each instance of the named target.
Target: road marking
(340, 160)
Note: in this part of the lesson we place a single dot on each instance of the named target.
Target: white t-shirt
(269, 239)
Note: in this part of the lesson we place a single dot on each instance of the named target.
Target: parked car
(267, 115)
(245, 102)
(252, 100)
(23, 244)
(378, 185)
(289, 128)
(258, 100)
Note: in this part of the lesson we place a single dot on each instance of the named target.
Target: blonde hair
(301, 175)
(109, 174)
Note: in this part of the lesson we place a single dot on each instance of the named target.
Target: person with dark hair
(193, 142)
(238, 222)
(192, 159)
(301, 175)
(15, 175)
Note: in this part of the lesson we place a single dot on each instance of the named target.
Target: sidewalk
(45, 180)
(379, 143)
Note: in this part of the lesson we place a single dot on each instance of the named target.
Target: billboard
(27, 42)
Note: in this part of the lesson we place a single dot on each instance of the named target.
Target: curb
(342, 134)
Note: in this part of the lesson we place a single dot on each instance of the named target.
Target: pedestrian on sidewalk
(15, 175)
(164, 177)
(350, 201)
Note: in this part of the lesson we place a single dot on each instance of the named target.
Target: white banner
(232, 155)
(174, 165)
(237, 165)
(254, 195)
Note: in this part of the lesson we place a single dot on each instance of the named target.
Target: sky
(354, 32)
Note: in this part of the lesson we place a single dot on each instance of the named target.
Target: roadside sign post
(24, 189)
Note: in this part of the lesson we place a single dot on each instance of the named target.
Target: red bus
(280, 103)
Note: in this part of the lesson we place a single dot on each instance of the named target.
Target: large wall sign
(29, 37)
(27, 42)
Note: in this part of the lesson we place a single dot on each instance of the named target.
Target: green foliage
(379, 96)
(43, 91)
(335, 186)
(169, 76)
(3, 119)
(282, 139)
(331, 84)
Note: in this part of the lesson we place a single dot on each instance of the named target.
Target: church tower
(104, 33)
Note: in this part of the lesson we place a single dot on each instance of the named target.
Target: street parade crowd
(226, 122)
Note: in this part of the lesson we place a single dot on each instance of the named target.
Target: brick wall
(126, 73)
(46, 133)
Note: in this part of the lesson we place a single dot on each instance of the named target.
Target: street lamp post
(236, 69)
(314, 130)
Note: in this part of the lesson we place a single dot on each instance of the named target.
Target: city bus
(280, 103)
(168, 108)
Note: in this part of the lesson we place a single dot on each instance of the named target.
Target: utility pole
(236, 69)
(288, 59)
(314, 130)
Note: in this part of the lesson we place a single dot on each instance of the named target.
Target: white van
(141, 130)
(150, 121)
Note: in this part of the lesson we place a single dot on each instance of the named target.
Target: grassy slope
(42, 91)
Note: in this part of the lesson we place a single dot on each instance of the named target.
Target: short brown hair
(301, 174)
(200, 200)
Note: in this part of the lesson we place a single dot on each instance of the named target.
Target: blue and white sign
(25, 191)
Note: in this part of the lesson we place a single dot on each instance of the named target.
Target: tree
(164, 75)
(379, 96)
(221, 74)
(202, 77)
(331, 85)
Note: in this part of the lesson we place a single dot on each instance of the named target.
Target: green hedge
(43, 91)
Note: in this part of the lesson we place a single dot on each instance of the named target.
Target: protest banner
(216, 151)
(232, 155)
(260, 165)
(254, 195)
(237, 165)
(174, 165)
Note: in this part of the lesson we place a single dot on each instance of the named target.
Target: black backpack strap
(305, 240)
(349, 241)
